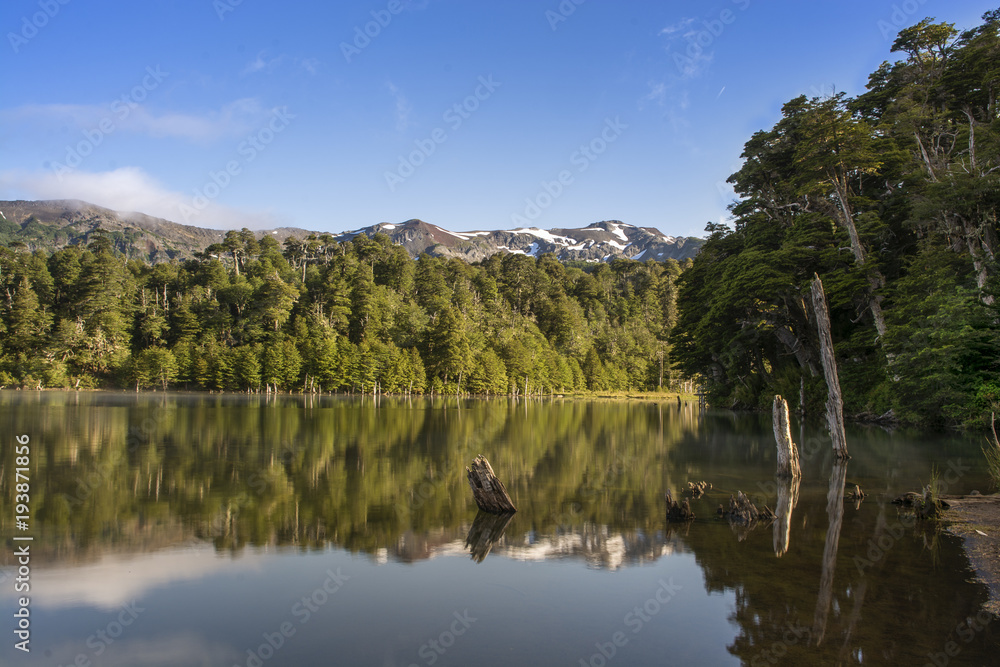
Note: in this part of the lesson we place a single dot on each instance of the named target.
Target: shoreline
(976, 519)
(602, 395)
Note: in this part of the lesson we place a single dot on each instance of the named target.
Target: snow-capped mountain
(601, 241)
(54, 224)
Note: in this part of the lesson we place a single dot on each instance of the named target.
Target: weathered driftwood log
(486, 531)
(788, 453)
(489, 492)
(678, 512)
(834, 401)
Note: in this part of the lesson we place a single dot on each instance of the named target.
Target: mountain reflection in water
(157, 493)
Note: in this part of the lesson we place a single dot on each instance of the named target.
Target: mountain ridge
(53, 224)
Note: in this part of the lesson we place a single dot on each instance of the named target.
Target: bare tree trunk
(875, 278)
(927, 159)
(979, 250)
(792, 343)
(972, 138)
(834, 401)
(788, 453)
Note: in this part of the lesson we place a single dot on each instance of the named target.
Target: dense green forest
(891, 197)
(319, 315)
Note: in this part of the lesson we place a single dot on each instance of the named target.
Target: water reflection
(132, 482)
(835, 519)
(485, 532)
(788, 498)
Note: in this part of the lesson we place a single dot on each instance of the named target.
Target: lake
(196, 529)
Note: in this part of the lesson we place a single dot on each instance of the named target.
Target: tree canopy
(317, 314)
(892, 198)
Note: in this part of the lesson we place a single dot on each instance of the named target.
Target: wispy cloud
(233, 119)
(679, 28)
(129, 190)
(689, 56)
(657, 93)
(403, 107)
(262, 64)
(266, 64)
(310, 65)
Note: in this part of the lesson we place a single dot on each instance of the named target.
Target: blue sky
(464, 113)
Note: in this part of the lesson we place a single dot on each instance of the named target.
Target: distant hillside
(601, 241)
(55, 224)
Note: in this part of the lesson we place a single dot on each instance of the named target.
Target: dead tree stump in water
(743, 511)
(490, 494)
(788, 453)
(834, 401)
(678, 512)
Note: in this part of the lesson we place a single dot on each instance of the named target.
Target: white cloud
(115, 579)
(680, 26)
(688, 54)
(310, 65)
(128, 190)
(232, 119)
(657, 92)
(403, 107)
(262, 63)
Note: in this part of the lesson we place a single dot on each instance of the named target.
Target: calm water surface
(213, 530)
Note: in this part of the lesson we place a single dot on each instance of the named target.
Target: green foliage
(891, 199)
(316, 314)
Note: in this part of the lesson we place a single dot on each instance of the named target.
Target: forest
(891, 198)
(315, 314)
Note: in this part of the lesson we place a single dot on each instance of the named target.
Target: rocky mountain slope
(601, 241)
(54, 224)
